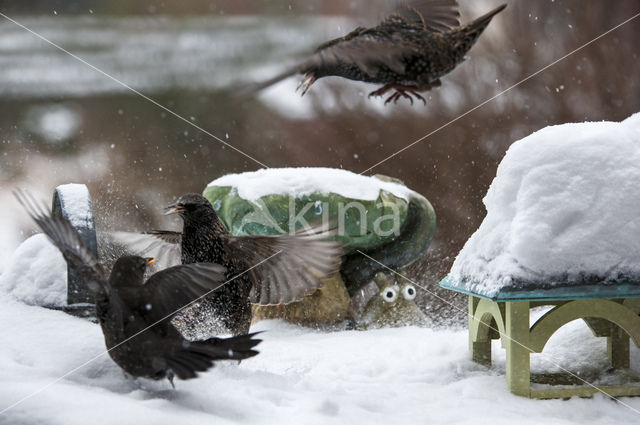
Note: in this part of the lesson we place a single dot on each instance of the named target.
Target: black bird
(135, 314)
(295, 264)
(409, 51)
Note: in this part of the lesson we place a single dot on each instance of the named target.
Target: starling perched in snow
(295, 264)
(409, 51)
(135, 314)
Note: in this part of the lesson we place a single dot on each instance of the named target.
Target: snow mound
(36, 274)
(564, 207)
(302, 181)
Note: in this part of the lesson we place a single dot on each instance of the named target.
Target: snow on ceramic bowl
(377, 215)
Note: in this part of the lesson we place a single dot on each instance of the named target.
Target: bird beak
(150, 260)
(174, 209)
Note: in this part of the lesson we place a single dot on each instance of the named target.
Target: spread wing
(298, 263)
(167, 235)
(164, 245)
(296, 267)
(66, 238)
(367, 50)
(169, 290)
(432, 15)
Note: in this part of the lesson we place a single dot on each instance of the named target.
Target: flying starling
(135, 314)
(409, 51)
(268, 270)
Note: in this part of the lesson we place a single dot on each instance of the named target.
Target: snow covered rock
(368, 211)
(377, 215)
(564, 208)
(36, 274)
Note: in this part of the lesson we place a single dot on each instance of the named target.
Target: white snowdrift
(36, 274)
(565, 205)
(301, 181)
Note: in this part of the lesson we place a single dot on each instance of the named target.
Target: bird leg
(401, 91)
(170, 377)
(306, 83)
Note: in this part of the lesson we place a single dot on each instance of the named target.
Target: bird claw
(400, 92)
(396, 96)
(380, 92)
(306, 83)
(418, 96)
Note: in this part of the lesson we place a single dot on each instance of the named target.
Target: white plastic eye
(409, 292)
(389, 294)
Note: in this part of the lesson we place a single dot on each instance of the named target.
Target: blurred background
(61, 121)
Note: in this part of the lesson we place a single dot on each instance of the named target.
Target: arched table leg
(486, 322)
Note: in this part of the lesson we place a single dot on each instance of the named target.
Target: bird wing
(368, 50)
(433, 15)
(164, 245)
(295, 264)
(66, 238)
(168, 236)
(247, 91)
(169, 290)
(356, 32)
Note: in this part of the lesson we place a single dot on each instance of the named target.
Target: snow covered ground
(301, 376)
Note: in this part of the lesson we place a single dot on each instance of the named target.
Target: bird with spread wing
(408, 52)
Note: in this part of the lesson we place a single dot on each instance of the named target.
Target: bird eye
(409, 292)
(389, 294)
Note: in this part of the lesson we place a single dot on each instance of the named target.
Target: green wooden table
(610, 310)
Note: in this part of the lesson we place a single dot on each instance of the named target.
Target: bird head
(191, 207)
(129, 270)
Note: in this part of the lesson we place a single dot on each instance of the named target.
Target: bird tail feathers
(250, 90)
(199, 356)
(235, 348)
(481, 23)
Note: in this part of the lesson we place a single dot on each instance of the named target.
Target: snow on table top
(302, 181)
(564, 205)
